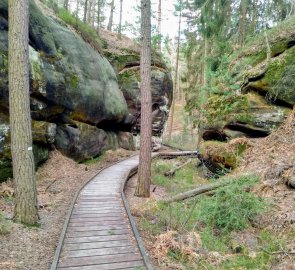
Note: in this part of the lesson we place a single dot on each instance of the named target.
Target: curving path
(99, 232)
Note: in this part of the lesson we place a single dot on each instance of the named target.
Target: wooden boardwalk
(99, 233)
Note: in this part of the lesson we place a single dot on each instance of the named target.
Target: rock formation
(77, 103)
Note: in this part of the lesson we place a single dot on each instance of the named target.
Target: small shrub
(232, 206)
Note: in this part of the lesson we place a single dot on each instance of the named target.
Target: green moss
(121, 61)
(38, 81)
(278, 80)
(72, 79)
(226, 108)
(225, 154)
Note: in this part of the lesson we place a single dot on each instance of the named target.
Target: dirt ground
(58, 180)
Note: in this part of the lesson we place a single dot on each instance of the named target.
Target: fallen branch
(277, 252)
(174, 170)
(169, 155)
(194, 192)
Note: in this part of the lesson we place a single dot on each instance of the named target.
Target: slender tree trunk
(205, 61)
(85, 11)
(175, 76)
(20, 119)
(88, 15)
(77, 12)
(144, 171)
(93, 13)
(120, 23)
(254, 17)
(110, 24)
(159, 25)
(98, 16)
(242, 22)
(292, 10)
(66, 4)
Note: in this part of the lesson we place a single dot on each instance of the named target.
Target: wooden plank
(89, 239)
(134, 265)
(71, 233)
(80, 246)
(100, 252)
(97, 260)
(97, 228)
(77, 212)
(98, 207)
(100, 223)
(99, 215)
(94, 219)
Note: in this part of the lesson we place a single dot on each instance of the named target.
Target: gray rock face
(69, 79)
(80, 141)
(76, 100)
(124, 55)
(161, 85)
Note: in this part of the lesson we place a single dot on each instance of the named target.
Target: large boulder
(80, 141)
(124, 55)
(69, 79)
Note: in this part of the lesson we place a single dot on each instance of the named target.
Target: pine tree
(120, 23)
(110, 24)
(20, 119)
(144, 171)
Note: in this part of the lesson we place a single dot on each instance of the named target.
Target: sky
(169, 21)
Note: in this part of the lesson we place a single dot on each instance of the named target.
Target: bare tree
(20, 119)
(144, 171)
(110, 24)
(85, 11)
(66, 4)
(120, 23)
(159, 25)
(176, 74)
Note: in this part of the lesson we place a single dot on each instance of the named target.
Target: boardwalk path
(99, 233)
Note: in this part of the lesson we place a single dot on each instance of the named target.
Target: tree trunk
(88, 15)
(66, 4)
(110, 24)
(77, 12)
(120, 23)
(98, 16)
(254, 17)
(20, 119)
(159, 25)
(85, 11)
(175, 76)
(242, 22)
(144, 171)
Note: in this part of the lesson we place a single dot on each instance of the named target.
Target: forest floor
(176, 237)
(33, 248)
(210, 232)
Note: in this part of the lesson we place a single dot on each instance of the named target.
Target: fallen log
(170, 155)
(174, 170)
(194, 192)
